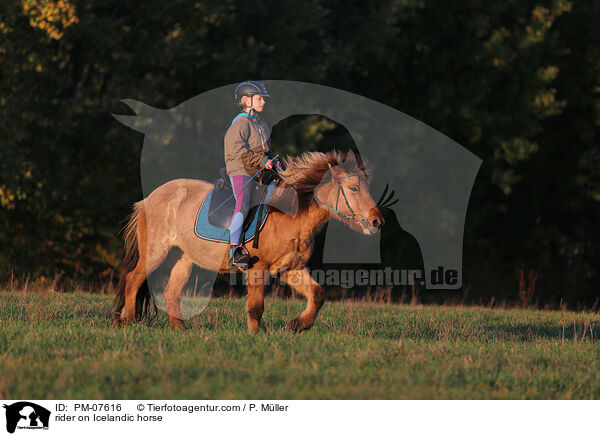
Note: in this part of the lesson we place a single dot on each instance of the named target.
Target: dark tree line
(515, 82)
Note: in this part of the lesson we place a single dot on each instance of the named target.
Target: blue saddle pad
(205, 230)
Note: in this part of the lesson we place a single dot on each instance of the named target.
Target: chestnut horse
(326, 185)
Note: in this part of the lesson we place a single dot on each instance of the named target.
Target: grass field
(60, 346)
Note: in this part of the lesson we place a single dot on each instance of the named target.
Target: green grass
(60, 346)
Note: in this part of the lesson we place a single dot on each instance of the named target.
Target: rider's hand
(269, 164)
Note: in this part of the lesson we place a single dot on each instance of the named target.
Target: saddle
(222, 205)
(222, 202)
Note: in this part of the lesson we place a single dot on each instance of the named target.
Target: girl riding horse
(247, 151)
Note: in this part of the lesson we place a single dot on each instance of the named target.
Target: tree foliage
(515, 82)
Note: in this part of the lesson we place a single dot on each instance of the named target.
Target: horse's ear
(336, 171)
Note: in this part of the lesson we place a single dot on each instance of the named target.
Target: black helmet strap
(252, 111)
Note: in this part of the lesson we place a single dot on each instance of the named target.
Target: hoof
(296, 325)
(178, 326)
(253, 326)
(116, 323)
(119, 322)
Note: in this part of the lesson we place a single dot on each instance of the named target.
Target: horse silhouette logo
(431, 175)
(26, 415)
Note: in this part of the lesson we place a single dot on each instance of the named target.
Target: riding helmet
(250, 88)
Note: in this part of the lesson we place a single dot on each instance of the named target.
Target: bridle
(352, 216)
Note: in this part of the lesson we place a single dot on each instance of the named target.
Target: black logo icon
(26, 415)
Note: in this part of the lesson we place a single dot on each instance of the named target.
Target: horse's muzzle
(375, 219)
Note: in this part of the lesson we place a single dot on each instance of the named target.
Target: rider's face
(258, 103)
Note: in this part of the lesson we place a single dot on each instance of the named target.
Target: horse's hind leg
(135, 279)
(179, 277)
(302, 282)
(149, 259)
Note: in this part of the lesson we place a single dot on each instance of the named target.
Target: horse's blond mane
(310, 169)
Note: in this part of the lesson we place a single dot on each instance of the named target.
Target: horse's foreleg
(255, 305)
(177, 280)
(302, 282)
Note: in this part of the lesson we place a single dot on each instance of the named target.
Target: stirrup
(239, 256)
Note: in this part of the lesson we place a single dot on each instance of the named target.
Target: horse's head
(344, 192)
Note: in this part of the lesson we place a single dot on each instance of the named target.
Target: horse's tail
(130, 261)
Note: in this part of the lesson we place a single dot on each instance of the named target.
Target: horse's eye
(354, 188)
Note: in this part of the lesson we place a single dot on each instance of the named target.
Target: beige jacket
(247, 146)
